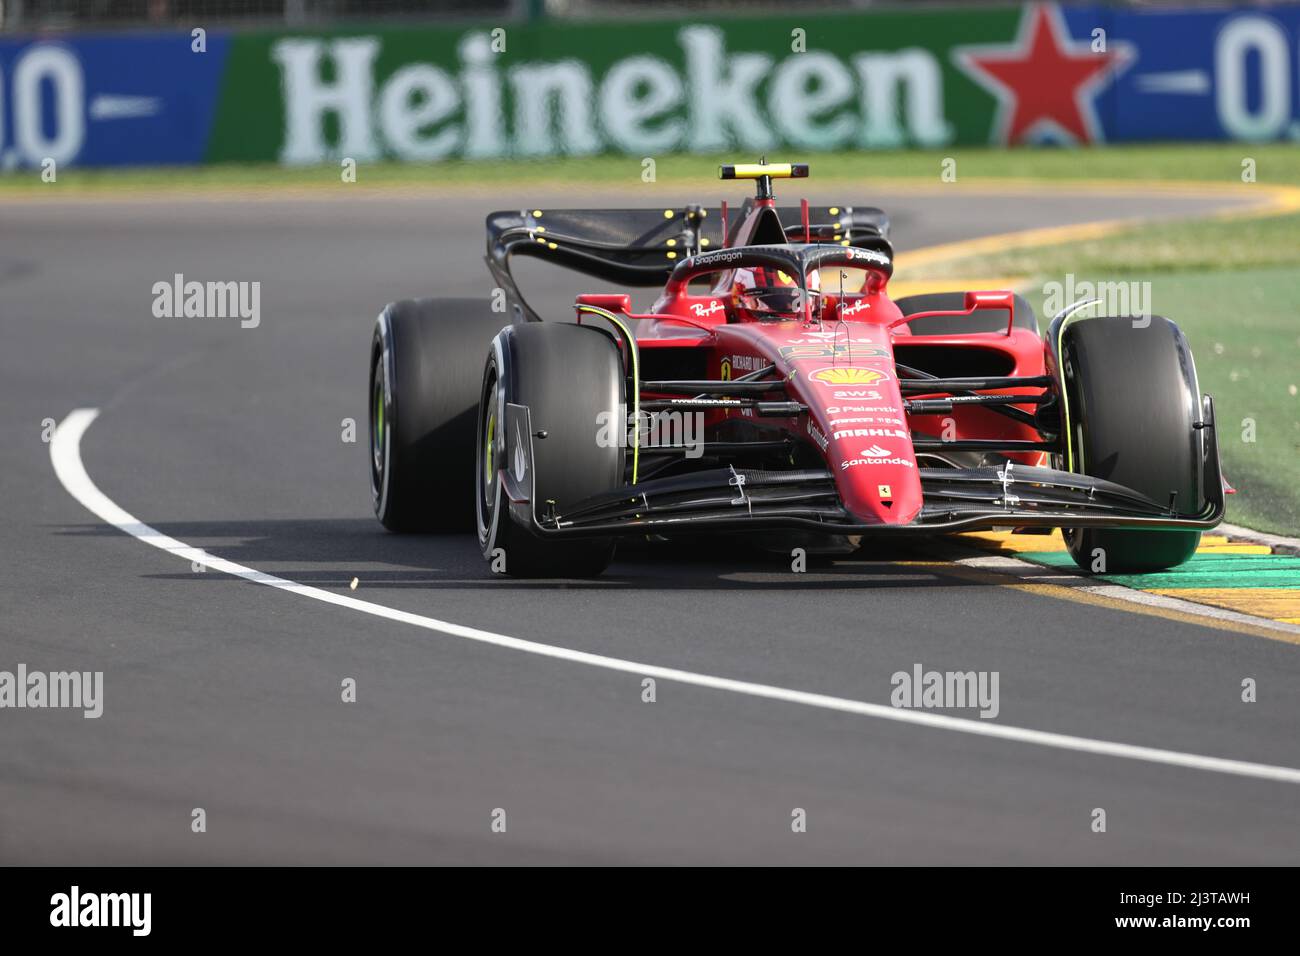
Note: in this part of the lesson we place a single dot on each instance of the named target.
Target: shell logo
(846, 375)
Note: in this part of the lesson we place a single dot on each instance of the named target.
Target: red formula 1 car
(774, 389)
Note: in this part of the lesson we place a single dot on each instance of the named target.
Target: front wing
(955, 499)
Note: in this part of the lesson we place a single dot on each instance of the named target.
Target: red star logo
(1043, 79)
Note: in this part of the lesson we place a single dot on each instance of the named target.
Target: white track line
(65, 455)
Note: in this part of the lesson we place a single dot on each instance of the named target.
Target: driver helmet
(767, 293)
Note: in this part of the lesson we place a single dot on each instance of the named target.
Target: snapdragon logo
(928, 690)
(714, 258)
(75, 908)
(208, 300)
(77, 690)
(660, 429)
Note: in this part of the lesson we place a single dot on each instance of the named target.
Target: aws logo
(840, 375)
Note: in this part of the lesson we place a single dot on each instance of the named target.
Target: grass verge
(1220, 162)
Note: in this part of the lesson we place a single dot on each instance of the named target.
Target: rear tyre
(571, 378)
(424, 389)
(1133, 401)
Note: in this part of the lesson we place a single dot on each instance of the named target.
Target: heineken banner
(796, 84)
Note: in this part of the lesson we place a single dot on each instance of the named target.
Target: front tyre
(571, 379)
(1133, 404)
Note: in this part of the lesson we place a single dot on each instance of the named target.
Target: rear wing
(640, 247)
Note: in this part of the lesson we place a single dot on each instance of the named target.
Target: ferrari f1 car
(775, 390)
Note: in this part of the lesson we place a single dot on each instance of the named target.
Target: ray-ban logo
(179, 299)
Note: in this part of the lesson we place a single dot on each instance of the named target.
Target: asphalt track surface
(225, 695)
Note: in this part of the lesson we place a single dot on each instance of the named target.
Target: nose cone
(876, 474)
(856, 415)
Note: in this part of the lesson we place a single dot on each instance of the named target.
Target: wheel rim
(488, 441)
(378, 437)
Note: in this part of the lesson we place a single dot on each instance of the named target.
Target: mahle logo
(705, 99)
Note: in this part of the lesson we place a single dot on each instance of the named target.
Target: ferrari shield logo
(726, 370)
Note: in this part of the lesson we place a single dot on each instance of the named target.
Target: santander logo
(875, 455)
